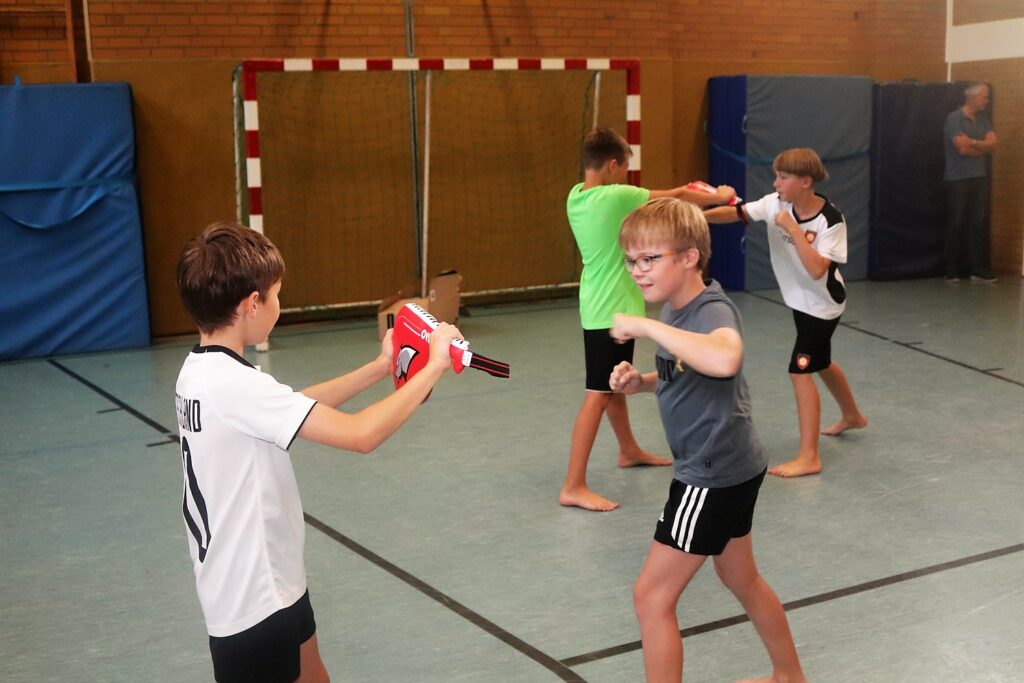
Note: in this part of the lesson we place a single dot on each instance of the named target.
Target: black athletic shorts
(813, 348)
(702, 521)
(269, 651)
(603, 353)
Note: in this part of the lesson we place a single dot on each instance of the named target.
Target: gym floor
(444, 556)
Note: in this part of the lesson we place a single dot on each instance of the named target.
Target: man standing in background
(968, 140)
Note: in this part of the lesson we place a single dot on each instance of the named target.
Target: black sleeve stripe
(742, 213)
(832, 215)
(299, 428)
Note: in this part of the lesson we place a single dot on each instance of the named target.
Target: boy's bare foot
(586, 499)
(859, 422)
(797, 467)
(642, 459)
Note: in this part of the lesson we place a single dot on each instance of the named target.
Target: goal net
(371, 175)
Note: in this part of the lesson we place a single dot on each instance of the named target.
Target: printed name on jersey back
(189, 414)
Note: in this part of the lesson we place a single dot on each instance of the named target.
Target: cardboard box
(442, 301)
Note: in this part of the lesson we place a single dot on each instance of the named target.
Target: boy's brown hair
(801, 161)
(667, 221)
(602, 144)
(222, 265)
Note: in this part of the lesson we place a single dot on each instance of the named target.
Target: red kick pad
(701, 186)
(411, 348)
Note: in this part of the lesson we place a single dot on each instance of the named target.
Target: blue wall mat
(831, 114)
(71, 263)
(727, 111)
(907, 192)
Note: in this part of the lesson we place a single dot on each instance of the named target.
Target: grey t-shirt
(707, 419)
(958, 166)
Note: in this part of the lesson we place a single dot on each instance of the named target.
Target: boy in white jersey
(705, 408)
(807, 241)
(241, 503)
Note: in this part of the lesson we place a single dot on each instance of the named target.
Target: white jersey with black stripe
(824, 297)
(241, 505)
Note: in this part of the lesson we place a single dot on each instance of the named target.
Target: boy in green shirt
(595, 209)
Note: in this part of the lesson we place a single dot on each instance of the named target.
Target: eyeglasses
(645, 262)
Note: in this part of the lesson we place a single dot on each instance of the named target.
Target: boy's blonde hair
(667, 221)
(802, 161)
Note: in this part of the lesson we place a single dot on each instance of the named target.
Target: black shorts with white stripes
(702, 521)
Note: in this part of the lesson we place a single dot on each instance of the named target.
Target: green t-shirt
(595, 216)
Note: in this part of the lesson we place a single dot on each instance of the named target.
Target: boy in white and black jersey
(241, 503)
(807, 242)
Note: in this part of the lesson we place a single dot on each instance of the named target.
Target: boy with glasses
(595, 209)
(705, 408)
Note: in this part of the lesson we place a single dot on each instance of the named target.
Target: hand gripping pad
(411, 347)
(701, 186)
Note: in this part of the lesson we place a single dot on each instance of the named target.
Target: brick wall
(818, 30)
(32, 31)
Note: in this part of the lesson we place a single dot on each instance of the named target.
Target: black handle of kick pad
(494, 368)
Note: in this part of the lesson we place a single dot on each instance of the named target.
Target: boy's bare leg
(630, 453)
(311, 667)
(808, 410)
(835, 380)
(738, 571)
(665, 575)
(584, 431)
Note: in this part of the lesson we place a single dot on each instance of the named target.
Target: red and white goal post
(254, 162)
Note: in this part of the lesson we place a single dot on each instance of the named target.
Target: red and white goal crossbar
(251, 68)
